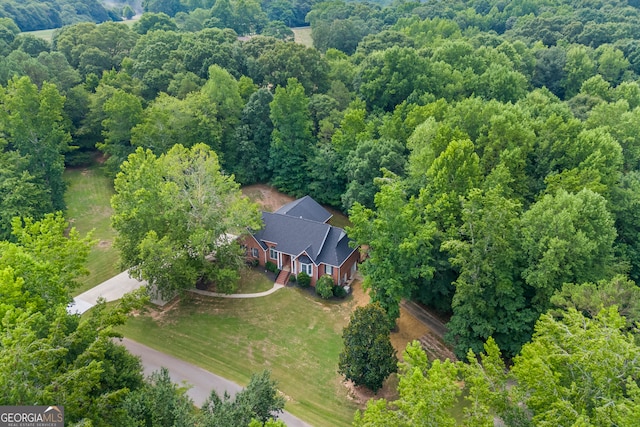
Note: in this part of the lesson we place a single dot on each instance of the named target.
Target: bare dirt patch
(360, 296)
(360, 394)
(409, 329)
(157, 313)
(268, 198)
(103, 244)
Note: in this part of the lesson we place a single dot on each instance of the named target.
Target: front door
(284, 261)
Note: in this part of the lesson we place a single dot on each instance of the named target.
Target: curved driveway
(200, 381)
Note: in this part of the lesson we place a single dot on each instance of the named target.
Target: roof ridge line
(300, 218)
(324, 240)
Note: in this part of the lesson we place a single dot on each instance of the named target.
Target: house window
(254, 252)
(273, 254)
(307, 268)
(328, 269)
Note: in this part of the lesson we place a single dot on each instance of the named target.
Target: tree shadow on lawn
(252, 280)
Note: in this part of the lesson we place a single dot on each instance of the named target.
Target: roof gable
(305, 208)
(294, 235)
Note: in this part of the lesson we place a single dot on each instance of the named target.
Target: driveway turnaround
(200, 381)
(111, 290)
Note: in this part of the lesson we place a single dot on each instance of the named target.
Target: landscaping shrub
(271, 267)
(324, 287)
(292, 278)
(304, 280)
(339, 291)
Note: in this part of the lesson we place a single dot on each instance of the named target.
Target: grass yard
(338, 219)
(88, 199)
(253, 281)
(302, 35)
(295, 335)
(43, 34)
(48, 34)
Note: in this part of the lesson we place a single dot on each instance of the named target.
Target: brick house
(298, 238)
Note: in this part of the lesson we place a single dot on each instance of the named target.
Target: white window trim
(255, 253)
(328, 269)
(307, 268)
(273, 254)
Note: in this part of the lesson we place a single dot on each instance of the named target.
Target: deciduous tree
(567, 238)
(427, 394)
(398, 245)
(291, 141)
(35, 127)
(490, 297)
(260, 401)
(175, 216)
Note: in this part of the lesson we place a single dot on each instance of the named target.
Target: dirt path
(433, 341)
(430, 321)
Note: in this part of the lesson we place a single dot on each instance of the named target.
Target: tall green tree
(286, 60)
(47, 258)
(368, 357)
(398, 243)
(625, 200)
(48, 354)
(387, 78)
(578, 370)
(170, 7)
(490, 296)
(35, 127)
(223, 92)
(590, 298)
(567, 238)
(168, 121)
(253, 139)
(175, 216)
(291, 139)
(160, 402)
(21, 194)
(367, 163)
(122, 112)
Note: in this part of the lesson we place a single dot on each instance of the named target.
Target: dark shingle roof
(293, 235)
(306, 208)
(336, 248)
(323, 243)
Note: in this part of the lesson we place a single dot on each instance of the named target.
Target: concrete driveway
(111, 290)
(200, 381)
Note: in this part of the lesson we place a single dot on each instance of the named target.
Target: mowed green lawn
(253, 281)
(88, 198)
(292, 333)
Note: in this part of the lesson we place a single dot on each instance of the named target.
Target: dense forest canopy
(32, 15)
(457, 110)
(488, 152)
